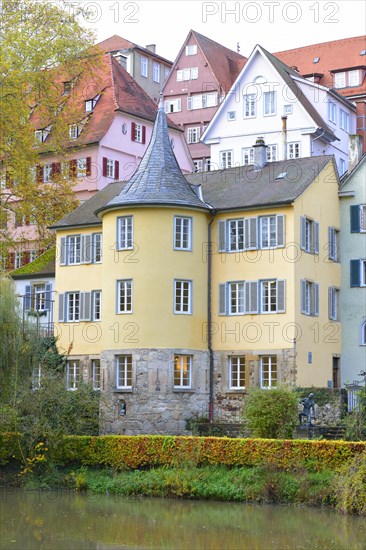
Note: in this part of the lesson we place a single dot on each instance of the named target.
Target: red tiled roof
(118, 91)
(225, 64)
(333, 56)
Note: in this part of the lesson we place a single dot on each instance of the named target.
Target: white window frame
(332, 112)
(138, 133)
(293, 150)
(333, 305)
(156, 71)
(144, 66)
(182, 233)
(272, 153)
(73, 374)
(97, 241)
(247, 156)
(73, 131)
(226, 159)
(173, 105)
(272, 367)
(182, 297)
(344, 120)
(362, 218)
(235, 231)
(266, 296)
(81, 167)
(236, 297)
(39, 296)
(73, 307)
(311, 298)
(288, 109)
(363, 272)
(237, 372)
(111, 168)
(125, 296)
(342, 166)
(363, 334)
(191, 49)
(353, 81)
(47, 173)
(73, 249)
(201, 101)
(96, 305)
(198, 165)
(193, 134)
(124, 372)
(125, 233)
(266, 232)
(269, 103)
(182, 376)
(96, 374)
(18, 260)
(340, 80)
(333, 244)
(249, 106)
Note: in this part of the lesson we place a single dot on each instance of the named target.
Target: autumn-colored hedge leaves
(132, 452)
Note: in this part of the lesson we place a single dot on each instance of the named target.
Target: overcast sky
(277, 25)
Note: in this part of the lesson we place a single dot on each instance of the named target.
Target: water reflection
(56, 521)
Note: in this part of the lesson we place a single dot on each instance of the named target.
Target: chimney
(122, 60)
(260, 153)
(354, 151)
(151, 48)
(284, 137)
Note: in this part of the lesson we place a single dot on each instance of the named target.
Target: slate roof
(333, 56)
(42, 266)
(243, 187)
(158, 179)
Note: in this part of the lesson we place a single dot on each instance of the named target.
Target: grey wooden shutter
(355, 218)
(355, 278)
(81, 306)
(63, 254)
(222, 299)
(330, 303)
(222, 236)
(61, 308)
(48, 295)
(250, 233)
(86, 249)
(281, 296)
(86, 306)
(280, 219)
(316, 299)
(28, 298)
(303, 296)
(251, 296)
(316, 237)
(302, 232)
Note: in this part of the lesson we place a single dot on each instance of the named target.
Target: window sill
(122, 390)
(183, 390)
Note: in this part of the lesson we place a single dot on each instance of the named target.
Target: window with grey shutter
(48, 297)
(303, 296)
(333, 244)
(61, 308)
(281, 296)
(222, 299)
(86, 249)
(355, 218)
(355, 278)
(251, 233)
(280, 230)
(302, 233)
(63, 254)
(251, 296)
(316, 299)
(222, 236)
(316, 237)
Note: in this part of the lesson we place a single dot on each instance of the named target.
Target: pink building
(201, 76)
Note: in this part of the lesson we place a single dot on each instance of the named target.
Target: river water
(57, 521)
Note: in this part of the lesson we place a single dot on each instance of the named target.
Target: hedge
(131, 452)
(10, 447)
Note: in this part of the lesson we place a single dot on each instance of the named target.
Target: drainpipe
(312, 142)
(284, 137)
(209, 321)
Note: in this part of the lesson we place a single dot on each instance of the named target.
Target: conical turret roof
(158, 180)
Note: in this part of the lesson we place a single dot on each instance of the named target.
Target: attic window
(191, 49)
(363, 52)
(74, 131)
(281, 176)
(91, 103)
(316, 59)
(67, 87)
(231, 115)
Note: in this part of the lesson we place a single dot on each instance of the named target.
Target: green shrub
(271, 413)
(355, 422)
(351, 487)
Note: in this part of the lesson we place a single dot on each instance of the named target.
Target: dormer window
(316, 59)
(67, 87)
(363, 52)
(73, 131)
(91, 103)
(41, 135)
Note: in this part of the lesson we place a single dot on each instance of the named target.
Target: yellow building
(175, 293)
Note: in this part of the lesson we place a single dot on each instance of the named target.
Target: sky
(276, 25)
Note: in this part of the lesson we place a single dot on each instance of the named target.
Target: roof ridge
(323, 43)
(218, 44)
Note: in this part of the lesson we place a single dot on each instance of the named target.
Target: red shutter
(27, 221)
(105, 167)
(39, 173)
(116, 170)
(72, 168)
(88, 166)
(133, 131)
(143, 134)
(10, 261)
(26, 257)
(56, 169)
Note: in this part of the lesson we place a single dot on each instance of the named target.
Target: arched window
(363, 334)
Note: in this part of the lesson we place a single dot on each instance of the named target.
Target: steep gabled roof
(333, 56)
(158, 179)
(116, 43)
(225, 64)
(42, 266)
(244, 187)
